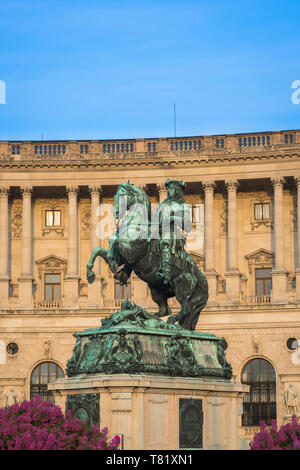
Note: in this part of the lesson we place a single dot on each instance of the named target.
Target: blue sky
(113, 69)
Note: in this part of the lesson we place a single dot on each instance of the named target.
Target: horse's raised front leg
(99, 251)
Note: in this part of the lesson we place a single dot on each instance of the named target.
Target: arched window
(42, 375)
(260, 401)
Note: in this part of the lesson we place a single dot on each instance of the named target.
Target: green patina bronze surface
(134, 341)
(84, 406)
(152, 246)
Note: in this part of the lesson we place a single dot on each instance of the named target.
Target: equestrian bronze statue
(153, 246)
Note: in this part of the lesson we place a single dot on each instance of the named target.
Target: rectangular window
(263, 281)
(53, 218)
(122, 292)
(262, 211)
(52, 287)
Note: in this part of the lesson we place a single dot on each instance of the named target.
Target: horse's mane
(139, 195)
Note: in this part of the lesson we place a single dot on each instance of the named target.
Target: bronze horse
(140, 253)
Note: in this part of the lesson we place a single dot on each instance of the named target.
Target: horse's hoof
(91, 278)
(171, 320)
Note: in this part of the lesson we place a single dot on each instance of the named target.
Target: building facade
(243, 191)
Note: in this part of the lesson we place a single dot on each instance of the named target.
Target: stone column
(233, 275)
(297, 270)
(279, 273)
(4, 277)
(162, 192)
(25, 279)
(94, 290)
(71, 277)
(209, 242)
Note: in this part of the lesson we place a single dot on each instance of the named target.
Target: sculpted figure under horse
(137, 246)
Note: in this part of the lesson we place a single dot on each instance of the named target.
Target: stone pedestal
(156, 412)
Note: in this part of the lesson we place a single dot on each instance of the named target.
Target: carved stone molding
(85, 218)
(223, 215)
(26, 191)
(50, 264)
(47, 348)
(259, 198)
(72, 190)
(261, 258)
(95, 190)
(256, 344)
(208, 186)
(52, 204)
(4, 191)
(16, 220)
(231, 185)
(199, 259)
(277, 182)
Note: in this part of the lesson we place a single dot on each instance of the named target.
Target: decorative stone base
(152, 412)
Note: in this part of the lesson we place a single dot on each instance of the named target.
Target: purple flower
(36, 425)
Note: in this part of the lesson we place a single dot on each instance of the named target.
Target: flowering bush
(287, 437)
(37, 425)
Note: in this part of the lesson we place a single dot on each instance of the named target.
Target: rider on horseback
(173, 218)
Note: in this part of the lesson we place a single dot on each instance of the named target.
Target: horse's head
(128, 194)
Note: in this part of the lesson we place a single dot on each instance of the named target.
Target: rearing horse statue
(133, 248)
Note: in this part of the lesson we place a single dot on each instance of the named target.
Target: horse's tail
(197, 301)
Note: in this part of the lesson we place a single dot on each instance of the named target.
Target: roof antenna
(174, 119)
(42, 136)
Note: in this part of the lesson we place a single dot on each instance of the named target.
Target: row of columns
(232, 275)
(71, 290)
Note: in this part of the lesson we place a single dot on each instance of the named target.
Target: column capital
(143, 187)
(208, 186)
(231, 185)
(95, 190)
(161, 187)
(4, 191)
(26, 191)
(277, 181)
(72, 190)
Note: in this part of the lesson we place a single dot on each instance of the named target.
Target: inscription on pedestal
(85, 407)
(190, 424)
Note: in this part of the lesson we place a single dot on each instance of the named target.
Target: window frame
(262, 388)
(124, 286)
(262, 204)
(42, 388)
(52, 284)
(53, 211)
